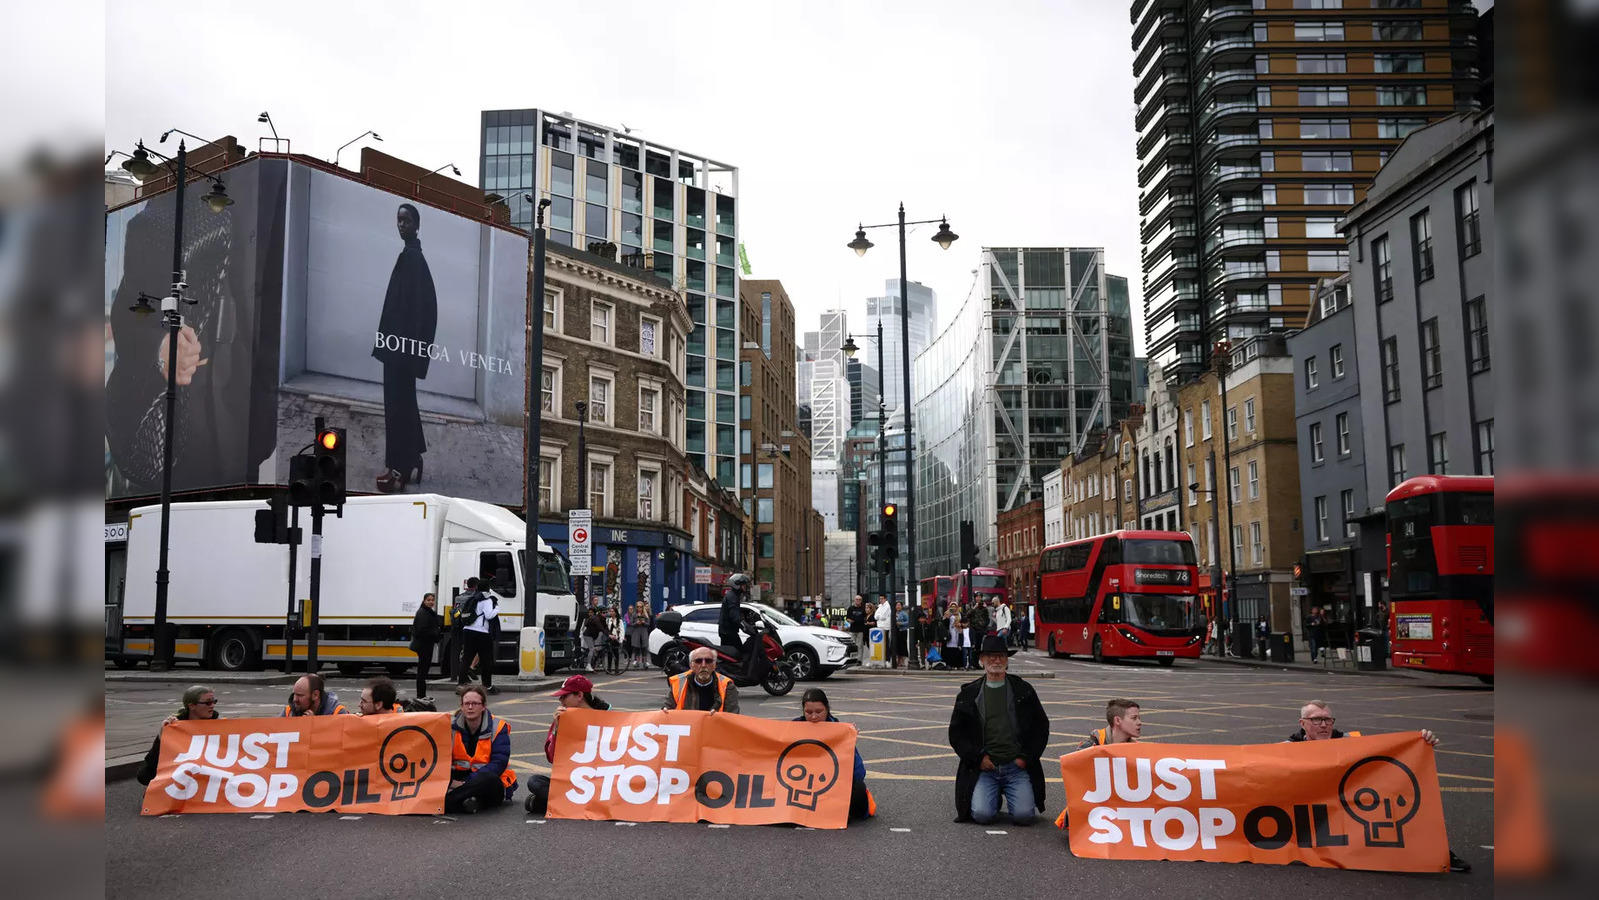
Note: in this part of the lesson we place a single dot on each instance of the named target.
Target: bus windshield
(981, 582)
(1159, 553)
(1162, 614)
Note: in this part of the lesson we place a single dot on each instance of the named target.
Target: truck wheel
(125, 662)
(233, 650)
(802, 660)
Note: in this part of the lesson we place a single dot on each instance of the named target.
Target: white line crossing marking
(263, 816)
(995, 832)
(900, 830)
(535, 822)
(171, 815)
(721, 826)
(1486, 846)
(628, 824)
(349, 818)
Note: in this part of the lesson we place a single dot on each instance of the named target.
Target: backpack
(418, 704)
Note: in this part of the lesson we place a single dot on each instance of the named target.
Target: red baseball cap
(575, 684)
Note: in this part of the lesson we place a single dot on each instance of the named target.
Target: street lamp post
(140, 166)
(1215, 528)
(582, 408)
(532, 455)
(1222, 358)
(860, 245)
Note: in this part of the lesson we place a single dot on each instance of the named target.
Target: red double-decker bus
(983, 583)
(1441, 574)
(1122, 594)
(937, 589)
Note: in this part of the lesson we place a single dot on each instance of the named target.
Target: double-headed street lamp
(860, 245)
(140, 166)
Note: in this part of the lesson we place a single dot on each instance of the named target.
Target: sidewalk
(1307, 667)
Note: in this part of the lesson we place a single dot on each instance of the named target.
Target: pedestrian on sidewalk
(199, 703)
(426, 627)
(1000, 616)
(856, 616)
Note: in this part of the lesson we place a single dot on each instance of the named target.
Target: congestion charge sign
(1354, 803)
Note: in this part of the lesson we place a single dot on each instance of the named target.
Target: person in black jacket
(425, 631)
(856, 616)
(999, 730)
(404, 345)
(729, 625)
(199, 702)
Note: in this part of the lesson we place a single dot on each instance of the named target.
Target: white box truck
(229, 599)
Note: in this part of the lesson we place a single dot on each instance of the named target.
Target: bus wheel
(1099, 650)
(1053, 653)
(1166, 661)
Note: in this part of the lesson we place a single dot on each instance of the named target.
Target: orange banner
(682, 766)
(390, 764)
(1352, 803)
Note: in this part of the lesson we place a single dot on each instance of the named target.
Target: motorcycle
(761, 660)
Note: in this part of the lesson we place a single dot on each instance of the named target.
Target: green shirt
(999, 736)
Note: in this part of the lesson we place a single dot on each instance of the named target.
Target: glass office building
(658, 208)
(1036, 359)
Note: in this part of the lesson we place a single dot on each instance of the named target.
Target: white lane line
(628, 824)
(721, 826)
(349, 818)
(996, 832)
(263, 816)
(1486, 846)
(535, 822)
(171, 815)
(900, 830)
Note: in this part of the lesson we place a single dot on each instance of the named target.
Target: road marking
(900, 830)
(1486, 846)
(995, 832)
(628, 824)
(263, 816)
(1467, 790)
(171, 815)
(349, 818)
(535, 822)
(721, 826)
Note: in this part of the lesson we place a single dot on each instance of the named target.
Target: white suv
(815, 653)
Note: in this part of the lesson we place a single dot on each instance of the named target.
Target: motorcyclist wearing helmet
(729, 624)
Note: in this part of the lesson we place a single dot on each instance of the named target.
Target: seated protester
(701, 687)
(480, 770)
(379, 697)
(1123, 725)
(199, 702)
(575, 691)
(311, 697)
(814, 708)
(999, 730)
(1316, 724)
(935, 660)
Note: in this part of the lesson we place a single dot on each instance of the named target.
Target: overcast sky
(1015, 119)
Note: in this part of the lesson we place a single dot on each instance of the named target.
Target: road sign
(702, 574)
(1295, 591)
(580, 538)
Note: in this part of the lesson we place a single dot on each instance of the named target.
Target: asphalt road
(911, 848)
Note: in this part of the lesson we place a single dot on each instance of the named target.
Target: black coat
(966, 739)
(426, 627)
(410, 310)
(732, 614)
(152, 760)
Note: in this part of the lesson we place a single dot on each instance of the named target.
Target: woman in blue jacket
(815, 709)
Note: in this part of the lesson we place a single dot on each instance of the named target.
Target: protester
(199, 702)
(814, 708)
(379, 697)
(480, 770)
(1316, 724)
(310, 697)
(702, 687)
(1123, 724)
(1001, 620)
(638, 633)
(425, 630)
(575, 691)
(999, 730)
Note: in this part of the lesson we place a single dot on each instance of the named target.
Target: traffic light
(874, 549)
(968, 545)
(302, 480)
(272, 523)
(890, 538)
(329, 456)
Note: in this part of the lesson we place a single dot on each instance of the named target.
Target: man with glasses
(379, 697)
(1316, 724)
(701, 687)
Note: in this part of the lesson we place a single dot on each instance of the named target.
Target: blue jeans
(1018, 791)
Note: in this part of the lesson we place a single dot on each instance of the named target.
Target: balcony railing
(1223, 110)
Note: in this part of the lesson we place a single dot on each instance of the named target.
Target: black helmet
(739, 582)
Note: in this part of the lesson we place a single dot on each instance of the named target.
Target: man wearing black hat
(999, 730)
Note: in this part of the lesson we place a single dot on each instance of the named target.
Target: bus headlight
(1129, 636)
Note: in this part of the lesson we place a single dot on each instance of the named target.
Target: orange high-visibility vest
(679, 688)
(468, 764)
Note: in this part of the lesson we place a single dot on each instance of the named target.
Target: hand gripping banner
(684, 766)
(1352, 803)
(390, 764)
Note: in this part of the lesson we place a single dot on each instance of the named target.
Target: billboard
(317, 294)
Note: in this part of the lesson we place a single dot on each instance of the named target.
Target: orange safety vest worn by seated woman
(678, 687)
(464, 765)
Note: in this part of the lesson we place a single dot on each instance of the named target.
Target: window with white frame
(1238, 541)
(550, 389)
(1321, 519)
(1232, 423)
(600, 322)
(1347, 498)
(1254, 480)
(1257, 543)
(549, 486)
(1193, 495)
(1204, 419)
(649, 330)
(1249, 416)
(649, 405)
(1341, 426)
(1312, 374)
(1233, 484)
(600, 486)
(1335, 357)
(648, 485)
(1188, 427)
(552, 311)
(1316, 453)
(600, 392)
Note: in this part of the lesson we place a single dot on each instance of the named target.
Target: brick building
(1020, 538)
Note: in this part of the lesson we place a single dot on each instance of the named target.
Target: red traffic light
(328, 439)
(889, 510)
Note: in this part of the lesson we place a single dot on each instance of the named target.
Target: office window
(549, 471)
(1485, 447)
(1421, 243)
(1188, 427)
(764, 473)
(1470, 219)
(763, 510)
(1438, 453)
(1402, 95)
(1324, 129)
(600, 399)
(1432, 367)
(647, 480)
(1232, 484)
(1321, 519)
(1249, 416)
(1335, 359)
(600, 487)
(1397, 470)
(1232, 423)
(1238, 542)
(1398, 62)
(1318, 31)
(600, 323)
(1193, 495)
(1316, 454)
(1323, 227)
(1327, 260)
(1320, 64)
(1204, 419)
(1396, 4)
(1327, 161)
(1383, 267)
(1257, 543)
(649, 402)
(1390, 370)
(1477, 333)
(1347, 498)
(1398, 128)
(1329, 194)
(1324, 96)
(1254, 480)
(1341, 426)
(1318, 4)
(1397, 31)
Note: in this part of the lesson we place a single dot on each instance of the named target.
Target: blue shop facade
(632, 564)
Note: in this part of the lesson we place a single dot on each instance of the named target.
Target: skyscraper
(650, 206)
(1257, 128)
(923, 325)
